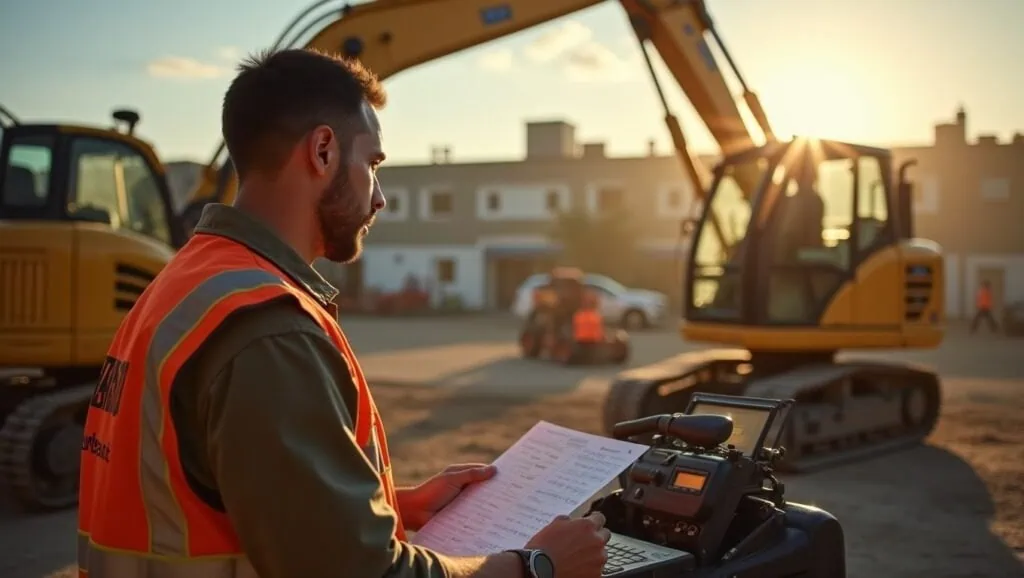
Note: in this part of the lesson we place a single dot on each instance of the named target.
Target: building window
(609, 199)
(441, 204)
(553, 201)
(394, 204)
(446, 270)
(995, 189)
(493, 201)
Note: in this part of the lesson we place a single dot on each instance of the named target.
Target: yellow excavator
(86, 222)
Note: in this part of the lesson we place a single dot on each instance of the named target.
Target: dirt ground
(954, 508)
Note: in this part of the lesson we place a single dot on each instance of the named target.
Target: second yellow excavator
(84, 226)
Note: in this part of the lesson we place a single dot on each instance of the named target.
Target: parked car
(620, 305)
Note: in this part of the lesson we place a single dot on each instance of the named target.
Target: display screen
(689, 481)
(747, 423)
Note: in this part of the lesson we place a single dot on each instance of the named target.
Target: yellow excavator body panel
(894, 300)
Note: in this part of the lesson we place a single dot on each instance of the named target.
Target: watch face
(542, 565)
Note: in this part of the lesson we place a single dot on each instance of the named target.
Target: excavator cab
(806, 248)
(86, 222)
(817, 254)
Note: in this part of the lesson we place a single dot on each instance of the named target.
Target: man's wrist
(534, 563)
(517, 562)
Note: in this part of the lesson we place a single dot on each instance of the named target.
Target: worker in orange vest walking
(983, 308)
(235, 434)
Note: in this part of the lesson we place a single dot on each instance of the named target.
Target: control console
(706, 490)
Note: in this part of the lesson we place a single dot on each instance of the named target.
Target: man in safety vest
(983, 308)
(237, 435)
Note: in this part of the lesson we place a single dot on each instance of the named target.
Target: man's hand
(576, 546)
(417, 505)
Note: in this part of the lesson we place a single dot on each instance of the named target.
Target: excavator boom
(390, 36)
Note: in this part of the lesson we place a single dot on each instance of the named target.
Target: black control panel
(685, 490)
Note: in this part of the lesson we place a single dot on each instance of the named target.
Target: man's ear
(323, 150)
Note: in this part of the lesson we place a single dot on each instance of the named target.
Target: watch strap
(525, 557)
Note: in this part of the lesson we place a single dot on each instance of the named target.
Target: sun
(816, 101)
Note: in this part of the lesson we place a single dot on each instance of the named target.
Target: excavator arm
(390, 36)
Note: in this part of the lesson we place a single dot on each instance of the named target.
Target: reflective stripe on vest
(96, 562)
(177, 332)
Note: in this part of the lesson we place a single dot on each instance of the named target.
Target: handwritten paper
(550, 471)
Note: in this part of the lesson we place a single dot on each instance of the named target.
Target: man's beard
(342, 222)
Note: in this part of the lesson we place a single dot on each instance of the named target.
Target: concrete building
(970, 199)
(477, 230)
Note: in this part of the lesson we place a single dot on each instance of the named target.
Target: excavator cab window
(26, 174)
(113, 184)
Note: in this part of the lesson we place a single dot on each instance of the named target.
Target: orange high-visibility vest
(587, 326)
(137, 515)
(984, 299)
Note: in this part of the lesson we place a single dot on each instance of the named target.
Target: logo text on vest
(94, 446)
(110, 386)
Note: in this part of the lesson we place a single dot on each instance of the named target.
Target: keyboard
(631, 557)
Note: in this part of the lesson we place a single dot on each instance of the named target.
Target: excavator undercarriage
(41, 436)
(845, 410)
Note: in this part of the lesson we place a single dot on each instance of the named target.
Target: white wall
(926, 201)
(386, 267)
(521, 201)
(1013, 265)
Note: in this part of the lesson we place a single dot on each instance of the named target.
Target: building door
(510, 274)
(996, 277)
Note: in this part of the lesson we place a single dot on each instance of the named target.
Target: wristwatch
(536, 564)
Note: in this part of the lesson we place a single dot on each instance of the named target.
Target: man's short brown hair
(278, 97)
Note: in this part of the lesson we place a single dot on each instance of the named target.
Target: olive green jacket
(265, 434)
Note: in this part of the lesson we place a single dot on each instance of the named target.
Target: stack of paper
(550, 471)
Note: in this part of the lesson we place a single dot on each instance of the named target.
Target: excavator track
(852, 410)
(845, 411)
(40, 444)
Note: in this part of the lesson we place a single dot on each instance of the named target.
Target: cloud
(229, 53)
(182, 68)
(557, 41)
(496, 60)
(595, 62)
(572, 48)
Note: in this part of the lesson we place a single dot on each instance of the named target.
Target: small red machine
(565, 324)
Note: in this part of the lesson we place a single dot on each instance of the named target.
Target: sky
(872, 71)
